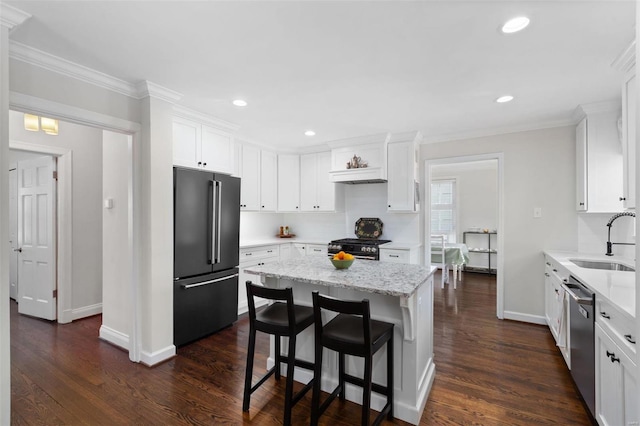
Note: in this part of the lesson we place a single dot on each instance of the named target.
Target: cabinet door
(609, 402)
(400, 185)
(268, 181)
(629, 139)
(548, 297)
(581, 166)
(250, 186)
(308, 178)
(217, 150)
(298, 250)
(325, 189)
(288, 183)
(186, 143)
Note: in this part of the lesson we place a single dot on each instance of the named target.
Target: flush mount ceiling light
(505, 98)
(310, 133)
(49, 126)
(515, 24)
(240, 103)
(33, 124)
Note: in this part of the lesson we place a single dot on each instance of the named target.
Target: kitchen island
(401, 294)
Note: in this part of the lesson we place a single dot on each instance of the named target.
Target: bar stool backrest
(339, 306)
(277, 295)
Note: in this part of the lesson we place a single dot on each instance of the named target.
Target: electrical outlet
(537, 212)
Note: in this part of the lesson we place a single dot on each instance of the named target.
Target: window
(443, 208)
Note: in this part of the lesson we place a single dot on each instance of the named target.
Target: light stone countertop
(400, 246)
(393, 279)
(618, 287)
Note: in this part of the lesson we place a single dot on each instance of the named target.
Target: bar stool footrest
(375, 387)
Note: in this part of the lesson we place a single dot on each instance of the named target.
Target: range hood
(359, 160)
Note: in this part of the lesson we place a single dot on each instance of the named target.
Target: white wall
(86, 146)
(539, 171)
(116, 250)
(592, 234)
(259, 225)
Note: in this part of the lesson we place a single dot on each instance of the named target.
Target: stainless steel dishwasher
(581, 328)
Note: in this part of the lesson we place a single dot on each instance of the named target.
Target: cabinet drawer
(394, 256)
(254, 253)
(618, 326)
(316, 250)
(554, 268)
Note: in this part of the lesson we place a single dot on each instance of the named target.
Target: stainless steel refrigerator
(206, 251)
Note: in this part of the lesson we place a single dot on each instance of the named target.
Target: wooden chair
(351, 332)
(438, 243)
(279, 319)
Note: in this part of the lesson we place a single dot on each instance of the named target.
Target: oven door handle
(579, 300)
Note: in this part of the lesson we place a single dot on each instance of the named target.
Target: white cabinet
(258, 191)
(557, 307)
(599, 159)
(288, 183)
(268, 181)
(402, 169)
(316, 250)
(398, 255)
(616, 383)
(203, 147)
(317, 192)
(629, 139)
(250, 257)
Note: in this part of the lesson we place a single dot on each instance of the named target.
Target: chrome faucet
(609, 224)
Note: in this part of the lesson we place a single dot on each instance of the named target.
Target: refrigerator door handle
(210, 213)
(217, 219)
(217, 280)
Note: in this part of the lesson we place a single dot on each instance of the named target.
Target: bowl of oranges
(342, 260)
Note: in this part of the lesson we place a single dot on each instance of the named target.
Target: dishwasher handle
(579, 300)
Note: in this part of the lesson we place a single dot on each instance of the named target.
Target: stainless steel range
(368, 230)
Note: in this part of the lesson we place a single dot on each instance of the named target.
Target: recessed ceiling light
(515, 24)
(310, 133)
(503, 99)
(240, 103)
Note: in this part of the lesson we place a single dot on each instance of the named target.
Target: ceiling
(350, 68)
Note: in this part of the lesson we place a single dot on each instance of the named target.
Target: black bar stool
(351, 332)
(279, 319)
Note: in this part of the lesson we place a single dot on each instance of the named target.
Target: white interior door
(13, 234)
(36, 238)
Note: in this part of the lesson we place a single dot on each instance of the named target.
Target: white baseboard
(86, 311)
(114, 337)
(533, 319)
(151, 359)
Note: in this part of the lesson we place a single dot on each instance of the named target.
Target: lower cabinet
(399, 255)
(249, 257)
(616, 384)
(316, 250)
(557, 308)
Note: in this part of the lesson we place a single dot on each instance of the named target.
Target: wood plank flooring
(488, 372)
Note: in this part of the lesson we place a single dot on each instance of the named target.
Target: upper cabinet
(258, 173)
(201, 142)
(626, 63)
(317, 192)
(599, 160)
(402, 172)
(288, 183)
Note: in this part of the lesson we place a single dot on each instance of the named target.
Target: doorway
(468, 213)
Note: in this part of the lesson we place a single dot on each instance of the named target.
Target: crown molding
(497, 131)
(33, 56)
(626, 59)
(595, 108)
(148, 89)
(381, 138)
(191, 114)
(11, 17)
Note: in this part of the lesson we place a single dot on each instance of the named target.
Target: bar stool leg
(390, 377)
(317, 379)
(248, 375)
(341, 375)
(277, 356)
(288, 393)
(366, 389)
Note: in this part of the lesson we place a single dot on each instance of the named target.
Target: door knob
(19, 250)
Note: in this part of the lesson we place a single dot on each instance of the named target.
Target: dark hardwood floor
(488, 372)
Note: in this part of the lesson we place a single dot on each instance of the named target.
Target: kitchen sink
(595, 264)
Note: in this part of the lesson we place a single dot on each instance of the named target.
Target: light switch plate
(537, 212)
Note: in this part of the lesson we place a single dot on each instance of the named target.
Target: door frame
(34, 105)
(427, 222)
